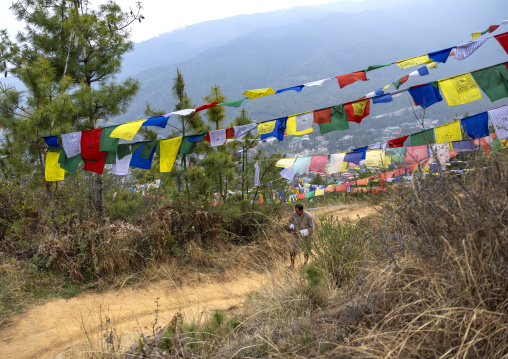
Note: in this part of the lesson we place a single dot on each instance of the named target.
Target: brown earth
(67, 328)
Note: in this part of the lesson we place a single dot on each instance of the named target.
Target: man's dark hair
(299, 206)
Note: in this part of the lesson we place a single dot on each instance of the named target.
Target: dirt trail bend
(57, 328)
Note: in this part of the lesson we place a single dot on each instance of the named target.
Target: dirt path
(58, 328)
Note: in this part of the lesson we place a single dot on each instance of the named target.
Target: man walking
(302, 226)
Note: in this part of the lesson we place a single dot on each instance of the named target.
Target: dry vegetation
(427, 279)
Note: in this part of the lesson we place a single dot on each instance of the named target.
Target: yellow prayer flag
(387, 161)
(359, 107)
(448, 133)
(291, 127)
(504, 144)
(476, 35)
(344, 165)
(386, 87)
(266, 127)
(374, 158)
(127, 131)
(413, 61)
(258, 93)
(285, 162)
(169, 150)
(319, 192)
(432, 65)
(460, 89)
(53, 171)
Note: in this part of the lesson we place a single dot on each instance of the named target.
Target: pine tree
(84, 43)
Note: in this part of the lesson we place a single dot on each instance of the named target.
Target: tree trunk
(100, 197)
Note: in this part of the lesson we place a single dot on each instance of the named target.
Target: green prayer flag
(425, 137)
(124, 150)
(69, 164)
(233, 103)
(107, 143)
(310, 194)
(148, 148)
(110, 158)
(374, 67)
(396, 84)
(398, 154)
(186, 147)
(339, 120)
(435, 84)
(54, 149)
(496, 145)
(493, 81)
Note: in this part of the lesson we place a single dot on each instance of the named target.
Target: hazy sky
(163, 16)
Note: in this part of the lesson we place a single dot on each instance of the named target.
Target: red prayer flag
(323, 116)
(90, 141)
(503, 41)
(329, 189)
(350, 111)
(318, 163)
(230, 133)
(403, 79)
(397, 142)
(205, 106)
(341, 187)
(96, 166)
(301, 196)
(348, 79)
(493, 28)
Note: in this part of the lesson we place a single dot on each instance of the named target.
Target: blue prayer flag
(360, 149)
(463, 146)
(423, 71)
(441, 55)
(379, 92)
(425, 95)
(278, 130)
(382, 99)
(159, 121)
(196, 138)
(140, 162)
(354, 157)
(51, 140)
(295, 88)
(476, 126)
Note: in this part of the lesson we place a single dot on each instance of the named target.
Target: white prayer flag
(463, 51)
(256, 174)
(336, 162)
(121, 167)
(499, 118)
(242, 131)
(304, 121)
(183, 112)
(72, 143)
(217, 137)
(317, 83)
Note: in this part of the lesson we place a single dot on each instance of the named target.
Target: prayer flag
(416, 154)
(108, 143)
(241, 131)
(148, 148)
(463, 51)
(256, 174)
(440, 154)
(294, 88)
(323, 116)
(463, 146)
(460, 89)
(317, 83)
(476, 126)
(159, 121)
(266, 127)
(110, 158)
(128, 130)
(382, 99)
(448, 133)
(96, 165)
(302, 164)
(425, 95)
(72, 143)
(69, 164)
(493, 81)
(188, 144)
(374, 67)
(125, 149)
(285, 162)
(184, 112)
(230, 133)
(288, 173)
(493, 28)
(400, 81)
(310, 194)
(52, 171)
(475, 35)
(169, 151)
(121, 167)
(441, 55)
(357, 111)
(503, 40)
(413, 61)
(319, 192)
(291, 127)
(205, 106)
(425, 137)
(374, 158)
(397, 154)
(90, 141)
(278, 130)
(304, 121)
(318, 163)
(378, 146)
(348, 79)
(138, 161)
(251, 94)
(336, 162)
(338, 122)
(233, 103)
(217, 137)
(397, 142)
(51, 140)
(499, 118)
(354, 157)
